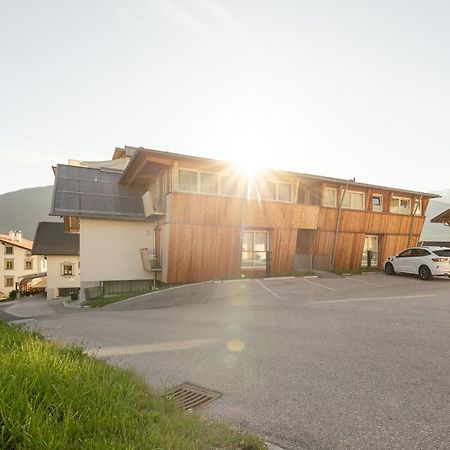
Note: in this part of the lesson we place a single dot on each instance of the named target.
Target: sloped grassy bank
(54, 397)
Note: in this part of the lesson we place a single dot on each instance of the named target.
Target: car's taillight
(439, 259)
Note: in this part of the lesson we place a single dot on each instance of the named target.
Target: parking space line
(320, 285)
(366, 299)
(267, 289)
(363, 281)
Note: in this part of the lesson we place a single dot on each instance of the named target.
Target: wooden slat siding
(221, 211)
(393, 230)
(284, 242)
(369, 222)
(205, 234)
(203, 252)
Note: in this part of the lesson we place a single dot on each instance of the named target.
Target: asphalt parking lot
(358, 362)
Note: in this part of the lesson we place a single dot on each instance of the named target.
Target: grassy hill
(24, 209)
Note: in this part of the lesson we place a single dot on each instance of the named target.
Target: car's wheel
(389, 269)
(424, 273)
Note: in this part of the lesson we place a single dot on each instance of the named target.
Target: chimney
(18, 236)
(12, 235)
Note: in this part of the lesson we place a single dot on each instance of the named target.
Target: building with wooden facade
(182, 219)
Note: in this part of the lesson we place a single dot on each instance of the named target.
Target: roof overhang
(444, 218)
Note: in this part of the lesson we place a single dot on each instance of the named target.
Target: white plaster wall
(19, 256)
(54, 278)
(109, 249)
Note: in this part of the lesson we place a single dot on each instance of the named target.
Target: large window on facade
(329, 197)
(400, 205)
(229, 185)
(28, 264)
(9, 281)
(9, 264)
(187, 180)
(353, 200)
(284, 192)
(271, 190)
(255, 245)
(209, 183)
(9, 250)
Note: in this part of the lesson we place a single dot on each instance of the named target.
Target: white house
(17, 261)
(62, 252)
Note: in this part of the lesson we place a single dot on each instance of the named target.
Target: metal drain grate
(188, 396)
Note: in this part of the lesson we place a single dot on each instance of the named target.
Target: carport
(31, 284)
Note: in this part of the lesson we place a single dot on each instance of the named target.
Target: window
(9, 281)
(209, 183)
(353, 200)
(377, 202)
(418, 207)
(329, 197)
(255, 245)
(264, 190)
(271, 190)
(67, 269)
(8, 250)
(187, 180)
(406, 253)
(28, 264)
(419, 252)
(400, 205)
(229, 185)
(442, 252)
(284, 192)
(9, 264)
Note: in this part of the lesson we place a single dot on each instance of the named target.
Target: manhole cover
(188, 396)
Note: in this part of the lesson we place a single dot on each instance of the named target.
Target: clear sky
(337, 88)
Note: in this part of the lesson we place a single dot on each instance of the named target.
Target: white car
(426, 262)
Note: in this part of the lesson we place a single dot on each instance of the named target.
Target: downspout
(412, 219)
(336, 231)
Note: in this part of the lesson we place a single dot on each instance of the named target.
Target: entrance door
(304, 250)
(370, 252)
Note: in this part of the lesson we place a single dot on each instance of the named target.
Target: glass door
(370, 252)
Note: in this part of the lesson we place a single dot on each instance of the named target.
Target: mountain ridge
(24, 209)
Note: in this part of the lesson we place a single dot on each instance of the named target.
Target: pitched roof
(50, 239)
(94, 193)
(138, 152)
(24, 243)
(444, 217)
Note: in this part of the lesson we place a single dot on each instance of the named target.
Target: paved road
(358, 362)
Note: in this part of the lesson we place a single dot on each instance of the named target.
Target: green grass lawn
(54, 397)
(98, 302)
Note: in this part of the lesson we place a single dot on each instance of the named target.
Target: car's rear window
(442, 252)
